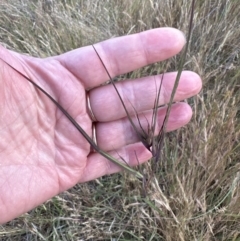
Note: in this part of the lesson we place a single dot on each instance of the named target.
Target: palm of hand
(39, 146)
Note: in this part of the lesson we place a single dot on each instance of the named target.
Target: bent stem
(79, 128)
(143, 136)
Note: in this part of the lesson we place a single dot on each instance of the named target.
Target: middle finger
(139, 95)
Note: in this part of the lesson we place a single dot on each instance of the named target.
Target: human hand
(41, 152)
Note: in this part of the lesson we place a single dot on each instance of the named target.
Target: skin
(41, 153)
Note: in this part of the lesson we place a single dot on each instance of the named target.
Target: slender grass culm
(79, 128)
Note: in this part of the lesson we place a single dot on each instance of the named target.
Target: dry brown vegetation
(194, 193)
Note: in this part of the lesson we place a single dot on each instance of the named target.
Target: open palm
(41, 152)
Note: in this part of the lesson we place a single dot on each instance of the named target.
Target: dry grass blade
(79, 128)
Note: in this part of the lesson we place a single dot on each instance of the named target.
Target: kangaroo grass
(153, 144)
(197, 177)
(147, 138)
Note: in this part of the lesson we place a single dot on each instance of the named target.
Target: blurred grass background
(194, 192)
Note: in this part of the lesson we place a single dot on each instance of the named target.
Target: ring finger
(116, 134)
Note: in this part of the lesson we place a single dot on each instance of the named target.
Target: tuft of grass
(194, 193)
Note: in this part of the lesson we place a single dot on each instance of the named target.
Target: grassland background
(194, 193)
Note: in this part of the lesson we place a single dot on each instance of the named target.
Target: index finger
(121, 55)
